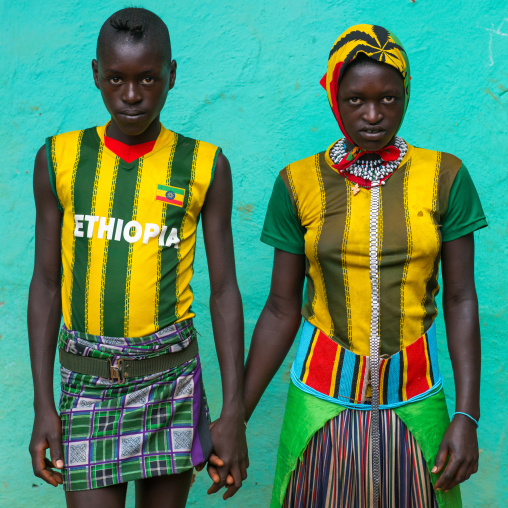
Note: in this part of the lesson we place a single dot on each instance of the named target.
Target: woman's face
(371, 104)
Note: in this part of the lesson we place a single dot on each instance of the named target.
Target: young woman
(366, 223)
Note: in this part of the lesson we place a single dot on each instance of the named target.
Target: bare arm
(44, 313)
(460, 306)
(228, 432)
(273, 335)
(276, 327)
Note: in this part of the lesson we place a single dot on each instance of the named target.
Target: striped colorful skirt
(336, 467)
(324, 455)
(144, 427)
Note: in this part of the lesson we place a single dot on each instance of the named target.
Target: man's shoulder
(64, 141)
(73, 133)
(184, 140)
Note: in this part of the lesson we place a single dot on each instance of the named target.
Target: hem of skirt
(141, 477)
(278, 495)
(450, 499)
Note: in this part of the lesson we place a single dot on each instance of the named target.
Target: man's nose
(131, 93)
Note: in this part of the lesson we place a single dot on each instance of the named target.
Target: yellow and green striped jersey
(128, 248)
(313, 211)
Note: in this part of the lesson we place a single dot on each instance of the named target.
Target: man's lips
(132, 114)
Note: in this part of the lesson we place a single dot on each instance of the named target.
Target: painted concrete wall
(248, 76)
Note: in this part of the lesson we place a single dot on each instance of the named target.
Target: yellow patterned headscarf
(374, 41)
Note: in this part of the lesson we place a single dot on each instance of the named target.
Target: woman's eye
(389, 99)
(115, 80)
(148, 80)
(354, 100)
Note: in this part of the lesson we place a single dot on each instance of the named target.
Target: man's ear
(172, 74)
(95, 70)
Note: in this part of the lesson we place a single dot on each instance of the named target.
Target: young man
(117, 212)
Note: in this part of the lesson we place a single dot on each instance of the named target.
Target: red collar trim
(128, 153)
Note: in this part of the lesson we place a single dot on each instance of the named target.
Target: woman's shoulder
(306, 166)
(443, 157)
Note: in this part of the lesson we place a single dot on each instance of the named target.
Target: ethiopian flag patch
(171, 195)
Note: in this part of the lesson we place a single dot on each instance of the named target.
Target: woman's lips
(372, 133)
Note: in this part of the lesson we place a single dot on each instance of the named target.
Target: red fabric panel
(128, 153)
(321, 364)
(416, 369)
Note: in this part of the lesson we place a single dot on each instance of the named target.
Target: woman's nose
(372, 113)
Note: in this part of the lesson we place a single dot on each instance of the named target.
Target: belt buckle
(115, 372)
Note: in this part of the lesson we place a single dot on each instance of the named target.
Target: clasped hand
(228, 463)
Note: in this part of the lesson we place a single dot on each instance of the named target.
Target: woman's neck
(367, 156)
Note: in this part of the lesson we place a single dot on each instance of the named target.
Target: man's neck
(150, 134)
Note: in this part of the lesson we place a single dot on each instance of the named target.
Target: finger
(213, 489)
(55, 448)
(460, 476)
(54, 474)
(237, 476)
(230, 480)
(49, 475)
(243, 470)
(199, 467)
(38, 454)
(213, 473)
(440, 459)
(223, 475)
(215, 460)
(448, 475)
(230, 492)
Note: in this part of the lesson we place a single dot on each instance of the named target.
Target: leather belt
(126, 367)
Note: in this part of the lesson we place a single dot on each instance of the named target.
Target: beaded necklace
(371, 170)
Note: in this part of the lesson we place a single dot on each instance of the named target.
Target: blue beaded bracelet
(469, 416)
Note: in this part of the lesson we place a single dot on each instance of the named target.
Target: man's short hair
(135, 24)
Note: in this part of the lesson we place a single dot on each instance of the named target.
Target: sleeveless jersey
(129, 230)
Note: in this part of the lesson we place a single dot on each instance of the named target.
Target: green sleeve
(464, 213)
(282, 228)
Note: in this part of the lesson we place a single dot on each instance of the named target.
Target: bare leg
(105, 497)
(169, 491)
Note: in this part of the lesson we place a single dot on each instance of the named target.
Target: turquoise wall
(248, 80)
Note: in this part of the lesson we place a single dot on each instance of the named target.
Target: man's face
(134, 81)
(371, 104)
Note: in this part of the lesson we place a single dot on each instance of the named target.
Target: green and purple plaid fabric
(148, 426)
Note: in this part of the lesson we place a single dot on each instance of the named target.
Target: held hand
(213, 463)
(461, 444)
(230, 445)
(47, 433)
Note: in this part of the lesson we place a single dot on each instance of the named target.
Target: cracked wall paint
(248, 80)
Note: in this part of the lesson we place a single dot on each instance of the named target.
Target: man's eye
(115, 80)
(148, 80)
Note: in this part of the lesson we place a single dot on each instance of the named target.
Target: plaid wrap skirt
(144, 427)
